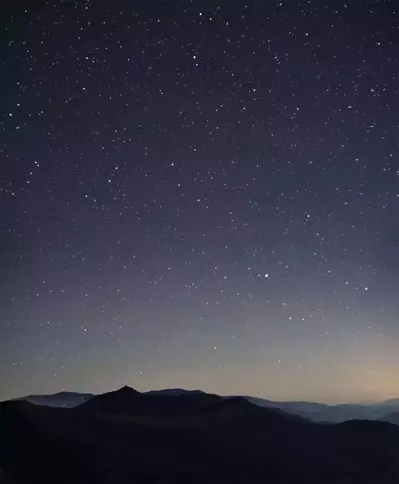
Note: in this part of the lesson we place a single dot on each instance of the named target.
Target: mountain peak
(116, 401)
(127, 390)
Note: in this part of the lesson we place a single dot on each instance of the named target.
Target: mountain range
(319, 412)
(188, 436)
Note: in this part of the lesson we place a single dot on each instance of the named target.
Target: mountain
(159, 405)
(61, 399)
(317, 412)
(193, 437)
(393, 402)
(320, 412)
(391, 417)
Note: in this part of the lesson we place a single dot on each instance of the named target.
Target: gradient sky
(200, 195)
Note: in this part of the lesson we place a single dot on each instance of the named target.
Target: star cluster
(200, 194)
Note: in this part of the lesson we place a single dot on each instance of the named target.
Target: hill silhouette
(391, 417)
(61, 399)
(128, 436)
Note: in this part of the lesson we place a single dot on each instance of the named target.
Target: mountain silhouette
(391, 417)
(393, 402)
(61, 399)
(129, 402)
(191, 437)
(172, 391)
(318, 412)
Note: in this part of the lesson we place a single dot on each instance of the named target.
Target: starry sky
(200, 195)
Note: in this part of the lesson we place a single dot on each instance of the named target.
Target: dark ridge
(173, 391)
(127, 401)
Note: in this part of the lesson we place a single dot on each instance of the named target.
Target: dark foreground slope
(126, 436)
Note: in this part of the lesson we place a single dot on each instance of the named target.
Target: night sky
(200, 195)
